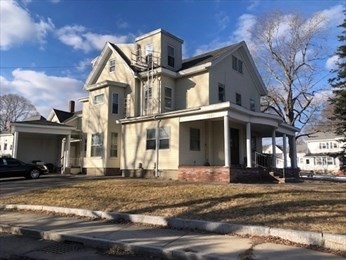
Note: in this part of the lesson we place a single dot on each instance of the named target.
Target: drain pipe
(157, 144)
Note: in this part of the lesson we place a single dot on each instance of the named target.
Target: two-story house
(149, 112)
(322, 154)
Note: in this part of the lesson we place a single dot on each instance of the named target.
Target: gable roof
(324, 135)
(62, 115)
(207, 57)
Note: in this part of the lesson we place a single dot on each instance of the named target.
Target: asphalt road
(13, 186)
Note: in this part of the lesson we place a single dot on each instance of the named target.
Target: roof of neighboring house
(206, 57)
(323, 135)
(302, 148)
(62, 115)
(41, 122)
(34, 118)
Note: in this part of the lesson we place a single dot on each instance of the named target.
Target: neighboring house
(6, 143)
(150, 113)
(322, 154)
(54, 141)
(279, 155)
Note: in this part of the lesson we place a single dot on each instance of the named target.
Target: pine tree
(338, 84)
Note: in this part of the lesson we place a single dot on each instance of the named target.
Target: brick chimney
(71, 106)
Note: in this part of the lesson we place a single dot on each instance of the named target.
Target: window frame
(164, 140)
(237, 64)
(115, 106)
(222, 87)
(98, 102)
(168, 99)
(111, 65)
(113, 151)
(170, 58)
(96, 148)
(252, 105)
(238, 99)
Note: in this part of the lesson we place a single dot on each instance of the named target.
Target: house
(149, 112)
(279, 154)
(6, 143)
(322, 154)
(55, 141)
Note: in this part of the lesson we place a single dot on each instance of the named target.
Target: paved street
(12, 186)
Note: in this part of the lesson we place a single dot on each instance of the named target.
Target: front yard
(314, 206)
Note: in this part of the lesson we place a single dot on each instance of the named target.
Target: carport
(42, 140)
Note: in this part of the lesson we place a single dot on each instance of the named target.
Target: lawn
(314, 206)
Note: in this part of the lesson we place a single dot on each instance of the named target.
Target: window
(238, 99)
(147, 99)
(149, 54)
(307, 161)
(115, 103)
(170, 51)
(237, 64)
(252, 105)
(126, 103)
(195, 139)
(330, 161)
(11, 147)
(168, 98)
(221, 88)
(85, 144)
(96, 145)
(98, 99)
(335, 145)
(164, 135)
(5, 146)
(114, 145)
(112, 65)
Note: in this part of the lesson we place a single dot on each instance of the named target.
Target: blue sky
(46, 45)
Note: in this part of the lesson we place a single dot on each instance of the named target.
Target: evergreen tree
(338, 84)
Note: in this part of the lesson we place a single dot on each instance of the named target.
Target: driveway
(13, 186)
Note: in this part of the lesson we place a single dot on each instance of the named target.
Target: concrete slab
(275, 251)
(221, 246)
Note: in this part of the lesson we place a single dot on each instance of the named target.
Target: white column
(227, 147)
(15, 145)
(248, 145)
(68, 147)
(284, 142)
(294, 157)
(274, 148)
(210, 143)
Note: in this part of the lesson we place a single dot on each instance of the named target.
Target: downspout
(157, 144)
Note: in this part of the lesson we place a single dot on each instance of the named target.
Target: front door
(234, 146)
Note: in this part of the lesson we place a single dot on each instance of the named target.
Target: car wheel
(34, 174)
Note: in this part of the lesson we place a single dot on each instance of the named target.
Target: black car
(10, 167)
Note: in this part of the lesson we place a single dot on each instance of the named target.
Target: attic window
(112, 65)
(237, 64)
(238, 99)
(222, 92)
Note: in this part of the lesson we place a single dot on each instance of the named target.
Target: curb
(320, 239)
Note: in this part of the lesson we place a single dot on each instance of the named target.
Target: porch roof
(264, 122)
(41, 127)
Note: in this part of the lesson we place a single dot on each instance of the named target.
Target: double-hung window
(168, 98)
(252, 104)
(221, 90)
(237, 64)
(112, 65)
(163, 136)
(114, 145)
(238, 99)
(171, 56)
(96, 145)
(115, 103)
(147, 99)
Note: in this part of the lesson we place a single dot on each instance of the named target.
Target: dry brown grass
(315, 206)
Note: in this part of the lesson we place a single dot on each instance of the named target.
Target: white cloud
(253, 4)
(18, 27)
(121, 24)
(333, 16)
(331, 62)
(222, 20)
(77, 37)
(44, 91)
(83, 64)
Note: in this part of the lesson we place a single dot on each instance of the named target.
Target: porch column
(294, 156)
(248, 145)
(15, 145)
(227, 147)
(210, 143)
(68, 147)
(274, 148)
(284, 142)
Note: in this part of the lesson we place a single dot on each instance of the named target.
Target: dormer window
(171, 56)
(237, 64)
(112, 65)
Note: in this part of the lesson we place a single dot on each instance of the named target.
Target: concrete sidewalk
(151, 241)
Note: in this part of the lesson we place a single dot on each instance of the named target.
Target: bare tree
(14, 108)
(289, 48)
